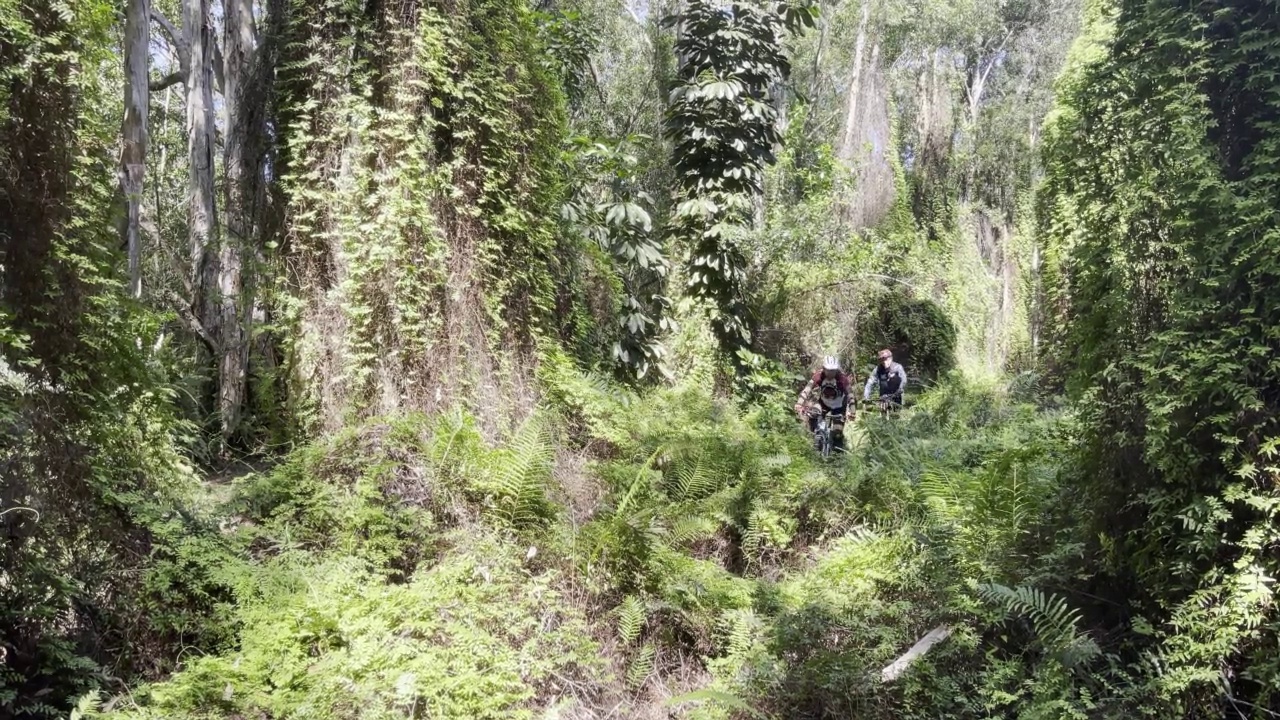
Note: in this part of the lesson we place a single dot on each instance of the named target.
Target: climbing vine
(612, 209)
(423, 172)
(1160, 215)
(86, 430)
(723, 125)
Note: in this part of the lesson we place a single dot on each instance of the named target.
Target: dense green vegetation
(395, 359)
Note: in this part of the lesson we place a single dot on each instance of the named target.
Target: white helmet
(830, 363)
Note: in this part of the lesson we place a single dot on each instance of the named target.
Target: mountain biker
(832, 386)
(890, 377)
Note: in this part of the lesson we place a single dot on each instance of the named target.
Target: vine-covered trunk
(422, 151)
(1160, 222)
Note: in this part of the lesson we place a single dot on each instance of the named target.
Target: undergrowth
(411, 568)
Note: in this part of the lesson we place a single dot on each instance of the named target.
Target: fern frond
(743, 627)
(641, 666)
(695, 479)
(942, 489)
(1054, 622)
(631, 619)
(634, 489)
(774, 462)
(520, 479)
(691, 528)
(753, 539)
(717, 697)
(598, 383)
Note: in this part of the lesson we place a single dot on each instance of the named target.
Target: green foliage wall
(423, 174)
(86, 450)
(1162, 228)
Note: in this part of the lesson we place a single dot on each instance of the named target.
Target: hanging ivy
(723, 124)
(1162, 227)
(423, 168)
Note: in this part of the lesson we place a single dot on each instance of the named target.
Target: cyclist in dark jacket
(891, 379)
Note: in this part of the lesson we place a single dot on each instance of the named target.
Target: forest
(437, 359)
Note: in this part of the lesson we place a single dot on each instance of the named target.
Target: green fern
(599, 384)
(1001, 495)
(695, 479)
(637, 486)
(641, 666)
(1054, 622)
(520, 479)
(691, 528)
(755, 536)
(941, 489)
(631, 618)
(717, 697)
(743, 626)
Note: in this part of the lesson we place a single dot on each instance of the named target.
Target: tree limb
(172, 78)
(184, 55)
(895, 669)
(981, 70)
(189, 319)
(175, 38)
(995, 57)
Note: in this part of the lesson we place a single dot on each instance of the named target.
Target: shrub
(918, 331)
(476, 636)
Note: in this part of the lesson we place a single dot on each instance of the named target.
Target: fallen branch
(895, 669)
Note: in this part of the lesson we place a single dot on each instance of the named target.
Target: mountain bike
(829, 426)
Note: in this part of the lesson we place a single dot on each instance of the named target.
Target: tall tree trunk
(133, 157)
(239, 79)
(984, 61)
(974, 88)
(849, 137)
(1037, 299)
(202, 211)
(1037, 292)
(162, 165)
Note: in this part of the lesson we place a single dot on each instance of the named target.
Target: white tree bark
(239, 47)
(202, 220)
(200, 143)
(895, 669)
(133, 157)
(849, 137)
